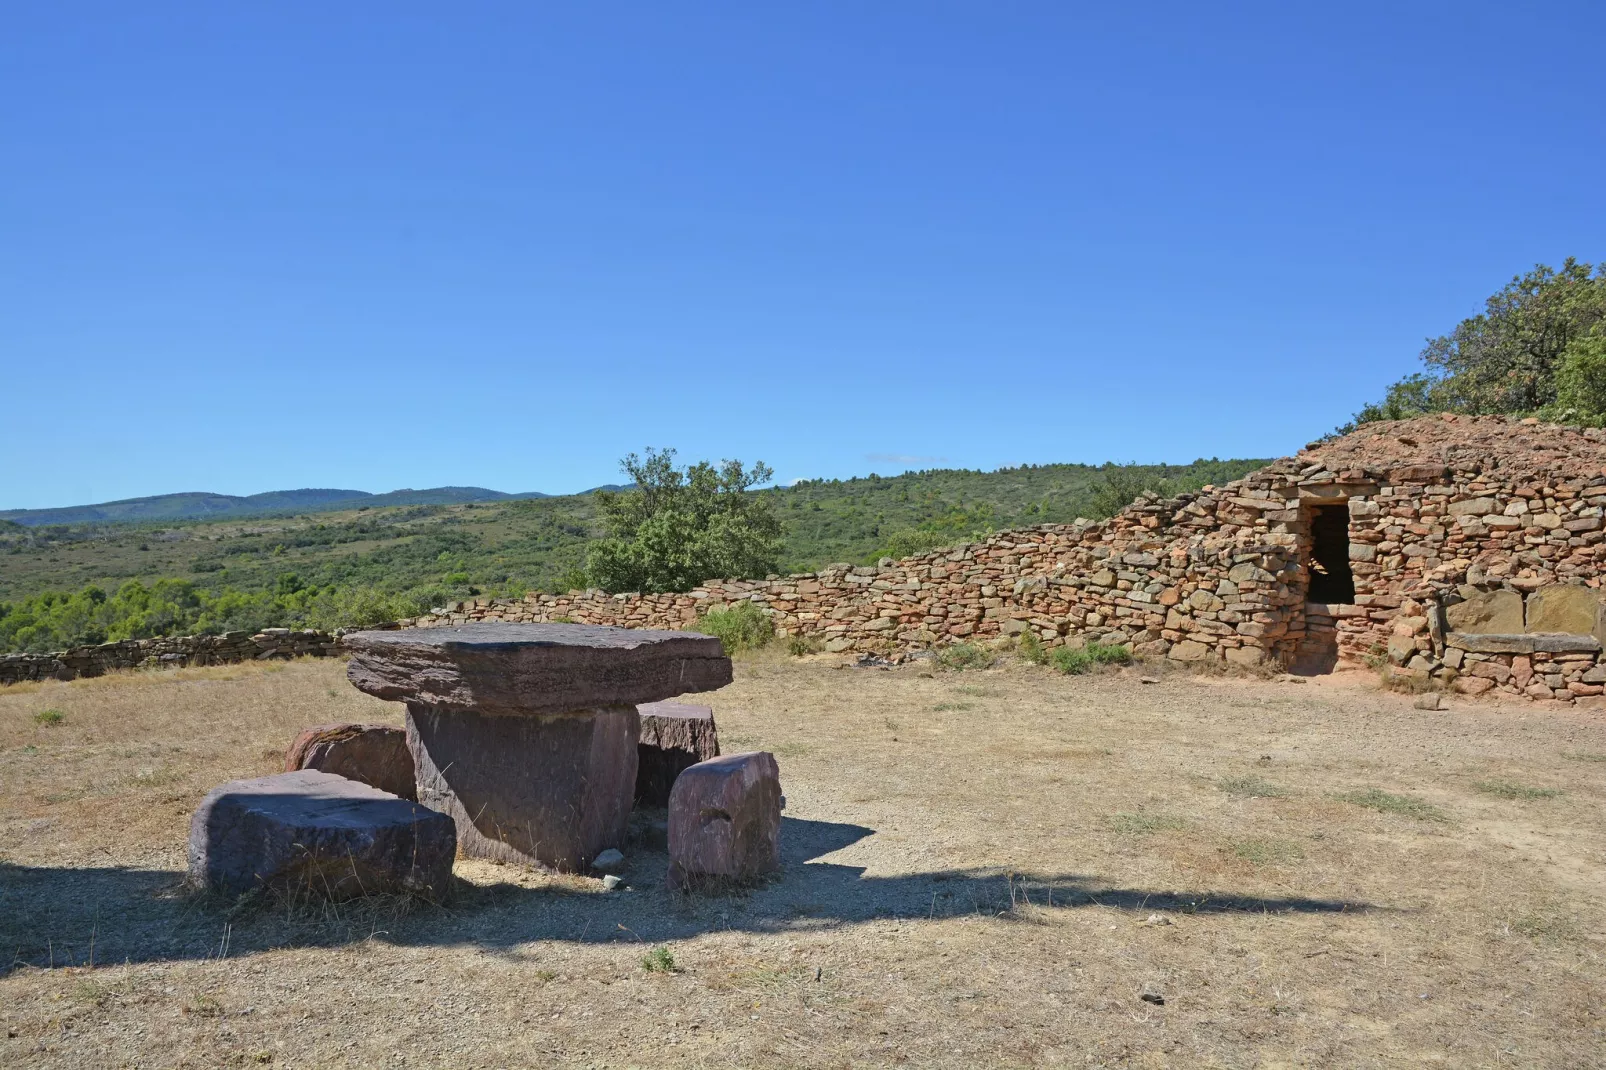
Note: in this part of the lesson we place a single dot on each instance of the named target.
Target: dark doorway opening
(1330, 577)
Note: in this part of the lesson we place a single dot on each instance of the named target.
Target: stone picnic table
(525, 734)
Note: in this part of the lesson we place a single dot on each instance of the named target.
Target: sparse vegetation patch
(1385, 803)
(1074, 661)
(1507, 789)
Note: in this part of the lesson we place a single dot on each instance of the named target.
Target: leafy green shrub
(49, 718)
(1074, 662)
(962, 656)
(659, 960)
(1030, 648)
(742, 626)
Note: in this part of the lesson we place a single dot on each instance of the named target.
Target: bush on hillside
(675, 529)
(61, 620)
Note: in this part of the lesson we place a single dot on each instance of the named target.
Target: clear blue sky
(249, 247)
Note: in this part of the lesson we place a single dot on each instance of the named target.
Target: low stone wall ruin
(166, 653)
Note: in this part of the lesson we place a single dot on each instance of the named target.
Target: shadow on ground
(74, 917)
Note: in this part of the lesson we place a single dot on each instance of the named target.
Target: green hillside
(368, 563)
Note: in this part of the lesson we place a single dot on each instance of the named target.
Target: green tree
(1581, 377)
(1508, 358)
(674, 529)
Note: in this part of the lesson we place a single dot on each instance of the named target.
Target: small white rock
(610, 882)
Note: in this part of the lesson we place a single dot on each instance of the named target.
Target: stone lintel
(1523, 644)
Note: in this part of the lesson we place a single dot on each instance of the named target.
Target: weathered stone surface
(1566, 644)
(375, 754)
(1486, 612)
(1564, 608)
(540, 789)
(674, 737)
(1478, 643)
(725, 821)
(495, 668)
(1188, 650)
(321, 834)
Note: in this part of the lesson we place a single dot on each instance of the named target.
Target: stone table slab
(498, 668)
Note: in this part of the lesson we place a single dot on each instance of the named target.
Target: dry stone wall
(1211, 575)
(166, 653)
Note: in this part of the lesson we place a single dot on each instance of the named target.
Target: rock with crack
(318, 834)
(725, 822)
(674, 737)
(526, 734)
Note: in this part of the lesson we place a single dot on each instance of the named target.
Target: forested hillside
(67, 584)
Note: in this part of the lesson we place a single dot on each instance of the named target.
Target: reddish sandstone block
(725, 822)
(372, 754)
(674, 737)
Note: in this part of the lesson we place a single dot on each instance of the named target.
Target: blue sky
(250, 247)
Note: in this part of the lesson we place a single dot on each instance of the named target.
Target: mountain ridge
(203, 505)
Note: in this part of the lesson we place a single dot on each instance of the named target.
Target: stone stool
(674, 737)
(526, 733)
(375, 754)
(333, 837)
(725, 822)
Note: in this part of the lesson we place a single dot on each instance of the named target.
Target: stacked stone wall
(167, 653)
(1208, 575)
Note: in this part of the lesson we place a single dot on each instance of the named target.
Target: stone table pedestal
(526, 733)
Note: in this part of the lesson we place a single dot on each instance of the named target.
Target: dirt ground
(998, 868)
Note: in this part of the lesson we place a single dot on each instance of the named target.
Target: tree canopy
(675, 529)
(1538, 347)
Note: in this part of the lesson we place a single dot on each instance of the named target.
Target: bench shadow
(106, 916)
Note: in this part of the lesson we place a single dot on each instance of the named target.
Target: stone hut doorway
(1331, 580)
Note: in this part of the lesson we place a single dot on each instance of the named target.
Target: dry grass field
(997, 868)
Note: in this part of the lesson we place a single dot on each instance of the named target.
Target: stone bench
(375, 754)
(725, 822)
(674, 737)
(320, 834)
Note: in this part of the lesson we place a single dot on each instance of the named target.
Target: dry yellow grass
(982, 869)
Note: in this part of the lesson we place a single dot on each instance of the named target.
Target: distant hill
(202, 505)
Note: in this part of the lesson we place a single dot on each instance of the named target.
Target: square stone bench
(725, 822)
(317, 832)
